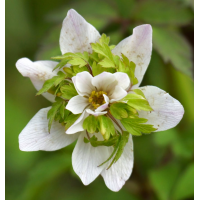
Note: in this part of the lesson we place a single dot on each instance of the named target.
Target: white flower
(76, 36)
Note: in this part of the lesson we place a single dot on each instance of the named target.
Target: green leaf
(107, 63)
(61, 64)
(70, 119)
(62, 109)
(64, 56)
(104, 50)
(121, 141)
(184, 188)
(127, 67)
(68, 91)
(140, 104)
(78, 61)
(116, 146)
(139, 92)
(123, 110)
(54, 81)
(61, 76)
(136, 126)
(77, 69)
(96, 69)
(104, 39)
(131, 96)
(137, 100)
(93, 140)
(119, 110)
(165, 12)
(174, 48)
(106, 127)
(53, 111)
(47, 85)
(68, 71)
(94, 56)
(122, 144)
(90, 124)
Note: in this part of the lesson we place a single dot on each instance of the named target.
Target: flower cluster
(94, 87)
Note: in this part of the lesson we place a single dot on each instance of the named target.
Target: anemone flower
(94, 97)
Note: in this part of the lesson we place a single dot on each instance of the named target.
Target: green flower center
(97, 99)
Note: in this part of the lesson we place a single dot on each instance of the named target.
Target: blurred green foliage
(163, 167)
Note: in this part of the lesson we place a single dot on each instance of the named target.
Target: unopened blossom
(95, 95)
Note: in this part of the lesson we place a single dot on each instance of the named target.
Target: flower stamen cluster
(97, 99)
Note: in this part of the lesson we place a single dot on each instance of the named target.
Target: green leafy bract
(90, 124)
(118, 148)
(70, 119)
(78, 59)
(128, 67)
(57, 107)
(137, 100)
(52, 82)
(122, 110)
(106, 127)
(95, 143)
(136, 126)
(68, 91)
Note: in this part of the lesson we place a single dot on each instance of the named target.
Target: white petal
(137, 48)
(38, 72)
(77, 104)
(35, 135)
(119, 93)
(116, 176)
(104, 106)
(77, 34)
(123, 80)
(167, 111)
(104, 82)
(86, 159)
(82, 82)
(77, 125)
(95, 113)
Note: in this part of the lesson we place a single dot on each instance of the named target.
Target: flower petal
(77, 104)
(95, 113)
(116, 176)
(167, 111)
(119, 93)
(86, 159)
(35, 135)
(82, 82)
(104, 82)
(123, 80)
(77, 34)
(104, 106)
(137, 48)
(38, 72)
(77, 125)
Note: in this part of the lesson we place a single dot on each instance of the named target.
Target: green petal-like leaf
(136, 126)
(106, 127)
(68, 91)
(90, 124)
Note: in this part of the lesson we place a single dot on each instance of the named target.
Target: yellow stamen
(97, 99)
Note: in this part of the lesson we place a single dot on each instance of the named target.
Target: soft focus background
(164, 161)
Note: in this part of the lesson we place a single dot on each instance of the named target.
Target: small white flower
(76, 36)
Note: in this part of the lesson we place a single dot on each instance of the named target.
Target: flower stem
(114, 120)
(87, 135)
(89, 68)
